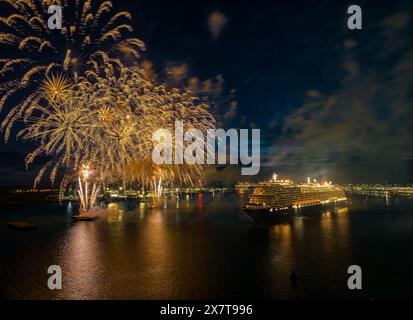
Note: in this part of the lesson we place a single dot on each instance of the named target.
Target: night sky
(329, 101)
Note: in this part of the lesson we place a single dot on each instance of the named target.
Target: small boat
(84, 218)
(21, 225)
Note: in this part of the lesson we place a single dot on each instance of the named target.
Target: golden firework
(81, 105)
(56, 87)
(90, 35)
(106, 114)
(109, 122)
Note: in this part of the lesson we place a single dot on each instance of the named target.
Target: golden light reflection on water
(334, 227)
(141, 211)
(81, 263)
(282, 232)
(95, 251)
(156, 252)
(155, 217)
(342, 225)
(115, 213)
(283, 236)
(148, 252)
(342, 210)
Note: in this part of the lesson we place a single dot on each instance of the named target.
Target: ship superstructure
(278, 197)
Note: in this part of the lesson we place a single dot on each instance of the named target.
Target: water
(205, 247)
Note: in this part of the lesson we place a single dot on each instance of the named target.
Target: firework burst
(63, 131)
(56, 87)
(91, 34)
(109, 121)
(85, 101)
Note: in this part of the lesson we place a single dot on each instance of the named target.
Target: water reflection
(149, 246)
(141, 211)
(284, 255)
(69, 208)
(115, 213)
(320, 241)
(204, 248)
(334, 230)
(81, 263)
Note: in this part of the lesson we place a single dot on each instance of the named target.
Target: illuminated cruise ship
(279, 198)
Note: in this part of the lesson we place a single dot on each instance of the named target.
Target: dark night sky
(297, 73)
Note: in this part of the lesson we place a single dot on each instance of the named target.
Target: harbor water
(204, 247)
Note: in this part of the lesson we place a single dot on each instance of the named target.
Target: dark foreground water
(207, 248)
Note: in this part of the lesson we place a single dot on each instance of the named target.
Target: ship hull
(266, 215)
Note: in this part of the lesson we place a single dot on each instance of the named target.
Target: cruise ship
(278, 199)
